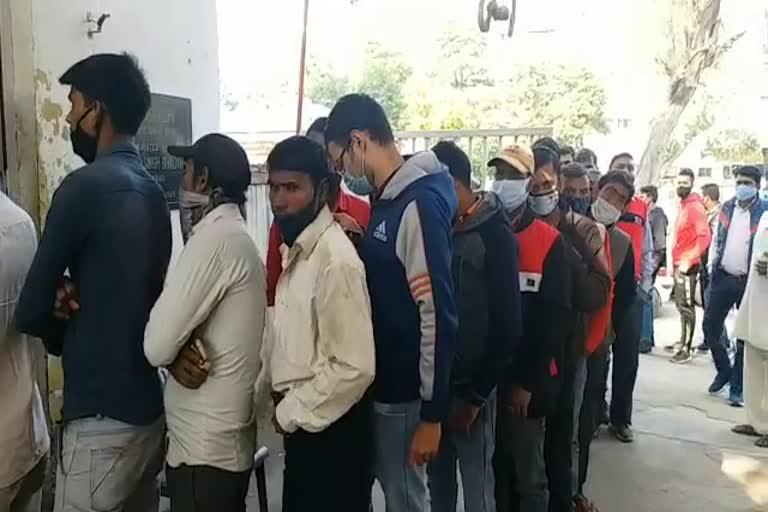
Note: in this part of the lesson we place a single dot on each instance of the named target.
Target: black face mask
(579, 205)
(83, 144)
(291, 225)
(683, 192)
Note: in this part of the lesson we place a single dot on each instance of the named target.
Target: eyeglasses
(338, 165)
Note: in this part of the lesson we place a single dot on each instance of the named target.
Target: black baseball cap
(225, 159)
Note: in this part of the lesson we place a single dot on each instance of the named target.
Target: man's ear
(201, 179)
(323, 192)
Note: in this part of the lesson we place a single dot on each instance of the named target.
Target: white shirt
(322, 357)
(218, 291)
(736, 253)
(750, 323)
(23, 429)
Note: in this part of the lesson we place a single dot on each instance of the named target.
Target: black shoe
(718, 384)
(623, 433)
(683, 356)
(703, 348)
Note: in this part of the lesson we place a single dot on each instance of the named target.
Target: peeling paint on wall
(41, 77)
(52, 113)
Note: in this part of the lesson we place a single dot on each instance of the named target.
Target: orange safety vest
(535, 242)
(633, 224)
(600, 320)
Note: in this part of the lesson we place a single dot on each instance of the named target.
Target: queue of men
(428, 328)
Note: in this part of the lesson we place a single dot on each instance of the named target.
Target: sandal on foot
(762, 442)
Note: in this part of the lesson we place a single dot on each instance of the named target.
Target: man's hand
(463, 416)
(348, 224)
(66, 300)
(684, 267)
(518, 401)
(761, 264)
(190, 368)
(425, 443)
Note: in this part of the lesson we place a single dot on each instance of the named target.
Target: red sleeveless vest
(535, 242)
(633, 224)
(600, 320)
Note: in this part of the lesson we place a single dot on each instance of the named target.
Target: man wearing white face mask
(207, 327)
(527, 394)
(585, 241)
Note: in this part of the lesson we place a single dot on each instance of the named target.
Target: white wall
(175, 41)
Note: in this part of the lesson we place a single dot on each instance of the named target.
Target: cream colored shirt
(750, 325)
(322, 356)
(218, 290)
(23, 429)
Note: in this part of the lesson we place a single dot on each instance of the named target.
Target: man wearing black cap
(96, 275)
(322, 360)
(206, 327)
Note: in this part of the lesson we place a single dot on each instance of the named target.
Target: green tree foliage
(462, 60)
(568, 98)
(384, 76)
(736, 146)
(324, 86)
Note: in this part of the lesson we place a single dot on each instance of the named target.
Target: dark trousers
(206, 489)
(685, 293)
(332, 469)
(591, 411)
(704, 280)
(557, 445)
(725, 291)
(626, 358)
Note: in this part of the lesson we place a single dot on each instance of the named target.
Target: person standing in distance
(407, 254)
(109, 228)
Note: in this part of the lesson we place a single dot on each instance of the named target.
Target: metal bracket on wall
(96, 24)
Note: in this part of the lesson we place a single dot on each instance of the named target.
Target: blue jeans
(404, 485)
(474, 453)
(647, 339)
(725, 291)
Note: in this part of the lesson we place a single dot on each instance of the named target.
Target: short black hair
(620, 178)
(651, 191)
(574, 170)
(586, 156)
(548, 142)
(318, 125)
(300, 154)
(749, 171)
(358, 112)
(620, 155)
(712, 191)
(567, 150)
(544, 155)
(118, 83)
(457, 161)
(686, 172)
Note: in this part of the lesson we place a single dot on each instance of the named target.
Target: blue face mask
(745, 192)
(579, 205)
(358, 185)
(512, 193)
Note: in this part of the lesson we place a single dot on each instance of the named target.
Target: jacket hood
(490, 205)
(416, 167)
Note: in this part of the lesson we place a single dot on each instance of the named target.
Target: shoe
(645, 349)
(736, 399)
(683, 356)
(703, 348)
(675, 347)
(718, 384)
(623, 433)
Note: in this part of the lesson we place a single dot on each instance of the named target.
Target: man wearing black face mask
(109, 227)
(322, 359)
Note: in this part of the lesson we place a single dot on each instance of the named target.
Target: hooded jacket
(407, 254)
(485, 276)
(692, 235)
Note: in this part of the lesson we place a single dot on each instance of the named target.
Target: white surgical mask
(544, 204)
(512, 193)
(604, 212)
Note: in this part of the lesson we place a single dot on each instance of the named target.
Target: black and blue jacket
(407, 254)
(756, 210)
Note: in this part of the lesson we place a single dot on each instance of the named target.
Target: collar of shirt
(308, 238)
(227, 210)
(125, 145)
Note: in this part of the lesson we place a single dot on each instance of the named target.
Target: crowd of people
(405, 325)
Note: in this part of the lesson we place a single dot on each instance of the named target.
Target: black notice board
(168, 123)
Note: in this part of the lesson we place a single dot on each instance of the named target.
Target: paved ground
(674, 465)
